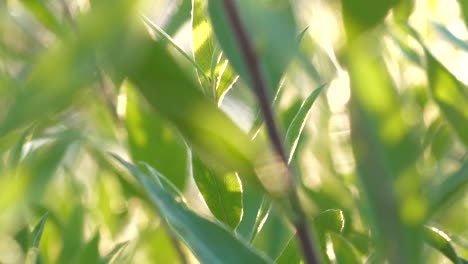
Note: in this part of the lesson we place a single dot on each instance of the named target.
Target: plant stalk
(260, 88)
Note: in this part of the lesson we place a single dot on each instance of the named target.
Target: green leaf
(271, 29)
(203, 43)
(153, 141)
(344, 251)
(453, 185)
(291, 254)
(255, 208)
(73, 236)
(297, 125)
(441, 241)
(464, 10)
(44, 15)
(210, 242)
(385, 149)
(38, 230)
(361, 15)
(90, 252)
(450, 95)
(114, 253)
(16, 152)
(222, 193)
(331, 220)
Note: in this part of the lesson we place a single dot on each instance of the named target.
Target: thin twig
(260, 88)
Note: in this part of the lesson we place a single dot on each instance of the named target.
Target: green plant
(275, 141)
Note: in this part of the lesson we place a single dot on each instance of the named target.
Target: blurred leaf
(297, 125)
(453, 185)
(114, 254)
(441, 241)
(464, 10)
(385, 150)
(44, 15)
(255, 208)
(72, 236)
(153, 141)
(90, 252)
(449, 36)
(177, 20)
(211, 243)
(344, 251)
(331, 220)
(361, 15)
(16, 152)
(222, 193)
(271, 29)
(450, 95)
(166, 36)
(38, 230)
(403, 10)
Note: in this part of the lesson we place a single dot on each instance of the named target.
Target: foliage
(135, 135)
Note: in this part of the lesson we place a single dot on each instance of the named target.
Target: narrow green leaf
(38, 230)
(210, 242)
(453, 185)
(114, 253)
(16, 152)
(177, 20)
(153, 141)
(344, 251)
(73, 236)
(450, 95)
(254, 211)
(222, 193)
(441, 241)
(297, 125)
(271, 29)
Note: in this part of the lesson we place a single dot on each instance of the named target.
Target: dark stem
(260, 88)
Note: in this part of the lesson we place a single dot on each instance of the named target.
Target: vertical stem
(260, 88)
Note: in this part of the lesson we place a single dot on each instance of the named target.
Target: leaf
(178, 19)
(16, 152)
(464, 10)
(211, 134)
(114, 253)
(291, 254)
(153, 141)
(297, 125)
(344, 251)
(444, 192)
(255, 208)
(38, 230)
(331, 220)
(44, 15)
(440, 241)
(271, 28)
(210, 242)
(90, 252)
(73, 236)
(450, 95)
(385, 148)
(449, 36)
(361, 15)
(222, 193)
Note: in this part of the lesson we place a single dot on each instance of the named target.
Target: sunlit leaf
(222, 193)
(441, 241)
(298, 123)
(291, 254)
(450, 95)
(449, 36)
(211, 243)
(38, 230)
(44, 15)
(114, 253)
(331, 220)
(90, 252)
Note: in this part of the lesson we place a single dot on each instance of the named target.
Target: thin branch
(260, 88)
